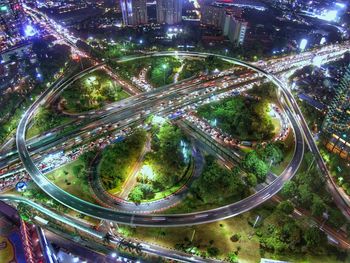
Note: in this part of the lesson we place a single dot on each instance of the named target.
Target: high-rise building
(11, 22)
(213, 15)
(134, 12)
(234, 29)
(336, 126)
(169, 11)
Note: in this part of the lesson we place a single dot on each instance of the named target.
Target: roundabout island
(163, 101)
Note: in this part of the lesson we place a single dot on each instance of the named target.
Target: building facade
(234, 29)
(169, 11)
(134, 12)
(213, 15)
(336, 126)
(12, 20)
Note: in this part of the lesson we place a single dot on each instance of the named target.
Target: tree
(232, 257)
(46, 119)
(235, 237)
(318, 207)
(271, 153)
(213, 251)
(305, 195)
(77, 169)
(116, 159)
(286, 207)
(147, 190)
(219, 180)
(336, 218)
(136, 195)
(251, 179)
(242, 117)
(291, 234)
(289, 189)
(253, 164)
(314, 237)
(51, 59)
(167, 158)
(265, 90)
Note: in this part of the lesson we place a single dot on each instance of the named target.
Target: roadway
(121, 204)
(150, 101)
(145, 247)
(277, 66)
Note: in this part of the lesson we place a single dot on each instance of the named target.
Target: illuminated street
(190, 131)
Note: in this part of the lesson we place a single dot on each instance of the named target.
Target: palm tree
(107, 238)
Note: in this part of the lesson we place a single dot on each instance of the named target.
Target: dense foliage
(253, 164)
(242, 117)
(166, 157)
(166, 161)
(46, 119)
(307, 191)
(191, 67)
(117, 159)
(257, 162)
(162, 71)
(50, 58)
(266, 90)
(217, 179)
(92, 92)
(281, 234)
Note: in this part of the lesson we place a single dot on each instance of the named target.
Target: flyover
(162, 220)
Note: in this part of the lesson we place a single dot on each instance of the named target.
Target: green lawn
(66, 178)
(36, 130)
(218, 233)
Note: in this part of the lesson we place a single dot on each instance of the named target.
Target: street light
(164, 66)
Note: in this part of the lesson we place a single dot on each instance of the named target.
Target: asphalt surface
(145, 247)
(148, 101)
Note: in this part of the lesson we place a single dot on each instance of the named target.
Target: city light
(341, 5)
(317, 61)
(29, 31)
(158, 120)
(147, 172)
(328, 15)
(303, 44)
(3, 8)
(133, 128)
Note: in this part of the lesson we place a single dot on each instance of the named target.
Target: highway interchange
(145, 102)
(116, 113)
(130, 110)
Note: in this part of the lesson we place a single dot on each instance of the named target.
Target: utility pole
(194, 232)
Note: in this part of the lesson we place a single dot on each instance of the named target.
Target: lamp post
(164, 68)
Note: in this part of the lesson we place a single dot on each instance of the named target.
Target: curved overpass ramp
(161, 220)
